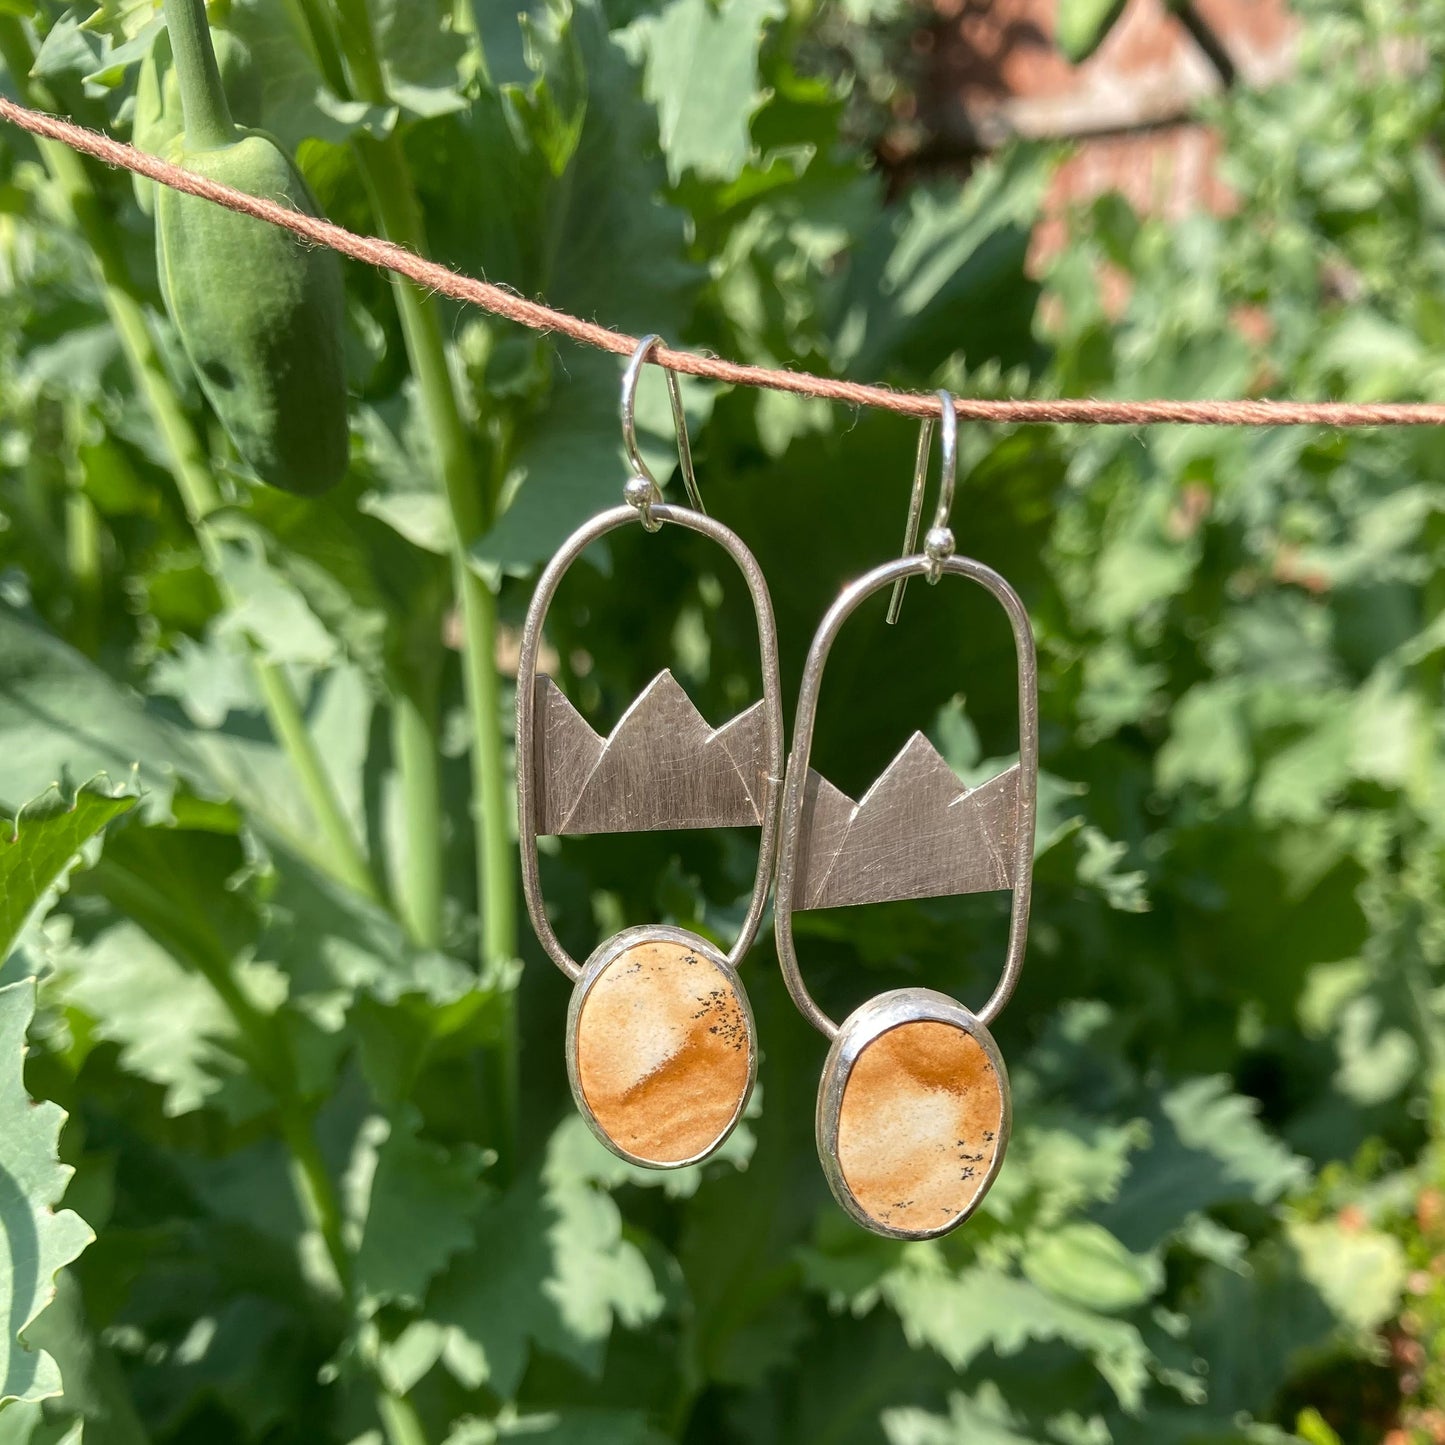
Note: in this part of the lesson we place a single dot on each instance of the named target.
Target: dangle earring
(661, 1047)
(913, 1107)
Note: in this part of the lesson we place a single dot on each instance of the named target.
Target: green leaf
(407, 496)
(1082, 26)
(67, 52)
(567, 473)
(1143, 563)
(1208, 1147)
(28, 1423)
(421, 55)
(556, 1427)
(1083, 1262)
(331, 945)
(63, 719)
(38, 1240)
(981, 1308)
(270, 612)
(297, 104)
(412, 1206)
(943, 274)
(118, 59)
(171, 1025)
(1360, 1273)
(40, 844)
(1314, 1429)
(702, 75)
(96, 1390)
(1256, 1328)
(124, 19)
(618, 252)
(984, 1419)
(237, 754)
(1061, 1162)
(552, 1268)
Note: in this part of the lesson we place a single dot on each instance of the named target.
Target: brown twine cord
(502, 302)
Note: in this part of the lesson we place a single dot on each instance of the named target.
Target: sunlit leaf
(38, 1239)
(40, 844)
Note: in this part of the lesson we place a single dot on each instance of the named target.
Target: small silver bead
(638, 492)
(938, 544)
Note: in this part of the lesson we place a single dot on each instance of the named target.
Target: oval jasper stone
(664, 1058)
(919, 1125)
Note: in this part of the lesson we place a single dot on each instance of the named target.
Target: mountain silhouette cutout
(664, 765)
(916, 833)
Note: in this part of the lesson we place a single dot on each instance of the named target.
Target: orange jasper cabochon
(919, 1125)
(664, 1051)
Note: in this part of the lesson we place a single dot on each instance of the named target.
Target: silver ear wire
(938, 544)
(642, 490)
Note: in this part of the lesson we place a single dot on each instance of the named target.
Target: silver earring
(913, 1107)
(661, 1047)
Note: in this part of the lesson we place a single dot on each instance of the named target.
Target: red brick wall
(1131, 105)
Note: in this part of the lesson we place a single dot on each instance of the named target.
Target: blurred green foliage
(325, 1206)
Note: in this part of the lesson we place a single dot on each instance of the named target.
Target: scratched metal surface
(916, 833)
(663, 766)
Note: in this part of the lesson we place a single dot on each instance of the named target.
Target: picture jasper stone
(664, 1051)
(919, 1125)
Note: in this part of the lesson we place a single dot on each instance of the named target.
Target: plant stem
(342, 855)
(265, 1043)
(419, 896)
(313, 1183)
(82, 547)
(318, 27)
(398, 1415)
(471, 500)
(203, 99)
(414, 720)
(147, 895)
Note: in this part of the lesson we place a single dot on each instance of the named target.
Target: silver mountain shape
(663, 766)
(916, 833)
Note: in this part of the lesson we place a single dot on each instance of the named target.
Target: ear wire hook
(938, 544)
(642, 490)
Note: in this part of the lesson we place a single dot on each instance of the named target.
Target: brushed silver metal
(905, 821)
(663, 766)
(947, 478)
(630, 377)
(861, 1027)
(596, 964)
(917, 833)
(545, 773)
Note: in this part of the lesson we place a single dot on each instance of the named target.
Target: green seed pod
(158, 115)
(260, 313)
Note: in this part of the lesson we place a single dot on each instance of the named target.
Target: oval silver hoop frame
(598, 527)
(923, 1142)
(798, 772)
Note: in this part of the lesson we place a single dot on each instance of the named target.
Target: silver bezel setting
(599, 960)
(861, 1028)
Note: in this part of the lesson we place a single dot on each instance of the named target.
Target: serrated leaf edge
(85, 1236)
(130, 788)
